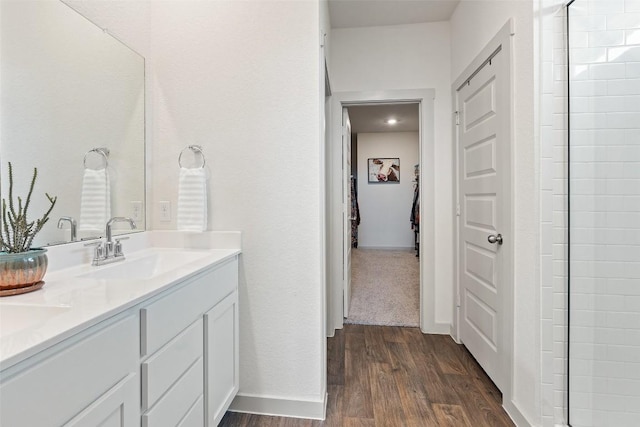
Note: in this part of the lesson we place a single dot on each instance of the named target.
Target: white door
(483, 165)
(346, 210)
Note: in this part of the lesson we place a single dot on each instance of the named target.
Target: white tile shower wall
(605, 214)
(553, 147)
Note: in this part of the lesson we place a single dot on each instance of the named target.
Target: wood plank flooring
(383, 376)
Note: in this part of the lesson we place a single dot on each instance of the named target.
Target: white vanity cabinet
(89, 379)
(189, 350)
(166, 359)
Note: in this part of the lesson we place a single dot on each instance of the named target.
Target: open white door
(346, 208)
(483, 165)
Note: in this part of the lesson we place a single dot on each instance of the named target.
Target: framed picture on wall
(384, 170)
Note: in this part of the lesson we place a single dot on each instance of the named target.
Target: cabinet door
(116, 408)
(221, 353)
(62, 382)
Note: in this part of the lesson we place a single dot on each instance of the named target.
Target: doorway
(424, 98)
(381, 177)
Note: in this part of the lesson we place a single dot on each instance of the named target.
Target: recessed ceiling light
(391, 121)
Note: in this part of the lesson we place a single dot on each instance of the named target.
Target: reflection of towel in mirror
(95, 200)
(192, 200)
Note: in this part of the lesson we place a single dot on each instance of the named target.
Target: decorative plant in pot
(21, 266)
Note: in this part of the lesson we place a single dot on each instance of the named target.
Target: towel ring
(103, 151)
(195, 149)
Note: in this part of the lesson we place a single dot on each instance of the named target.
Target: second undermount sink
(146, 265)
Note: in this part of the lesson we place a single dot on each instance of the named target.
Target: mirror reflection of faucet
(73, 224)
(108, 252)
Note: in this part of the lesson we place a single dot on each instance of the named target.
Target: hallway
(380, 376)
(385, 288)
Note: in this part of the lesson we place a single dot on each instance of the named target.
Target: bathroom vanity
(151, 341)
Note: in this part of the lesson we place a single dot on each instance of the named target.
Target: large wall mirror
(71, 105)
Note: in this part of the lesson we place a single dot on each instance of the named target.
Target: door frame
(502, 41)
(425, 99)
(347, 211)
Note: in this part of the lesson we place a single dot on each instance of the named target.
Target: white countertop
(75, 297)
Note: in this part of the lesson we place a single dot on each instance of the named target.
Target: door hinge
(458, 209)
(457, 113)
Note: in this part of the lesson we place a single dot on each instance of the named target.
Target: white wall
(408, 57)
(473, 25)
(242, 80)
(385, 208)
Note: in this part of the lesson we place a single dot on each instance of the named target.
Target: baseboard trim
(280, 407)
(516, 416)
(437, 328)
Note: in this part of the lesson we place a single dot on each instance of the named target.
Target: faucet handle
(98, 253)
(117, 250)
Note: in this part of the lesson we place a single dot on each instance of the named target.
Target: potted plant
(21, 266)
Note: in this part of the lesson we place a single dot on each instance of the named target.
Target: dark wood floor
(381, 376)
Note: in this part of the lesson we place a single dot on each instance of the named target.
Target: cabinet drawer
(177, 402)
(165, 318)
(71, 376)
(195, 416)
(170, 362)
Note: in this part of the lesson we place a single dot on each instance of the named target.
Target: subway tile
(546, 141)
(623, 21)
(607, 71)
(577, 39)
(606, 38)
(606, 7)
(631, 170)
(546, 173)
(590, 88)
(632, 36)
(632, 6)
(632, 70)
(621, 287)
(619, 87)
(559, 56)
(632, 137)
(622, 120)
(623, 54)
(588, 121)
(546, 118)
(587, 23)
(595, 137)
(588, 55)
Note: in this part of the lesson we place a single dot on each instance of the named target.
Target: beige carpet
(385, 288)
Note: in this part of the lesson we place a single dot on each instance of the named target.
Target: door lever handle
(495, 238)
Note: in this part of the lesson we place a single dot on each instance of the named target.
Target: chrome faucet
(108, 251)
(72, 223)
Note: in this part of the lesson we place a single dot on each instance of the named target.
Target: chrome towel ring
(103, 151)
(195, 149)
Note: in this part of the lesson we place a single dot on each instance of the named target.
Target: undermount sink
(15, 318)
(146, 266)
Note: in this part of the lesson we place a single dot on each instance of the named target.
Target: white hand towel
(95, 200)
(192, 200)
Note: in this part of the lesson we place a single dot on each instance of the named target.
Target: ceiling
(371, 118)
(371, 13)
